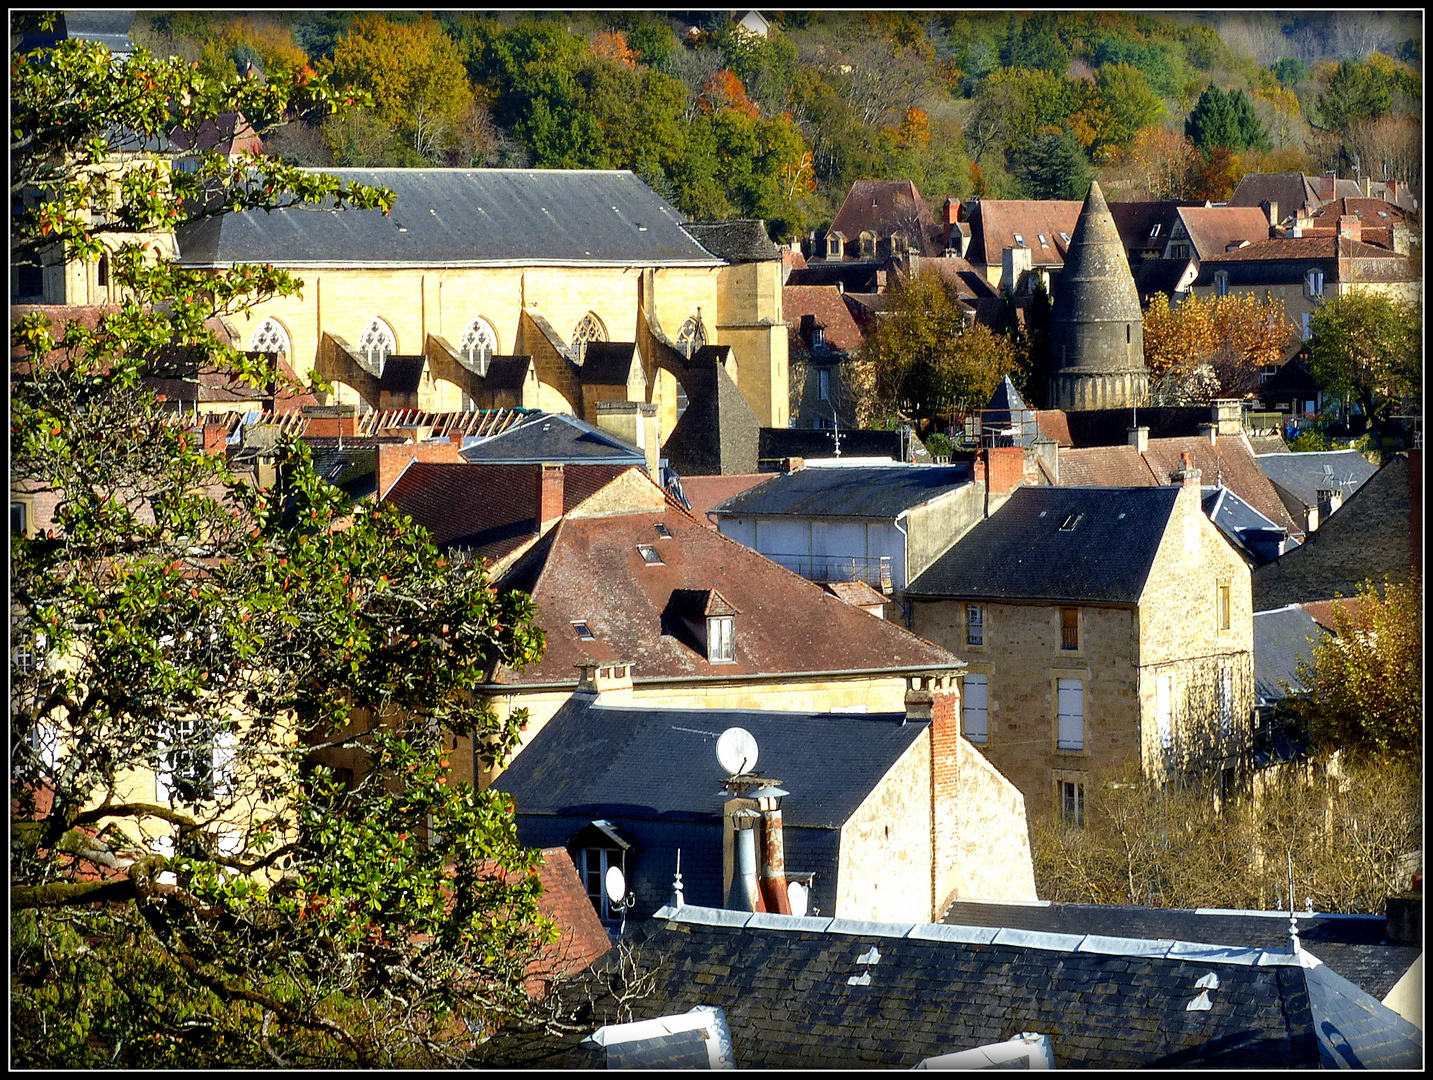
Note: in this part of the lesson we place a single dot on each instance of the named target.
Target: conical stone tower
(1096, 325)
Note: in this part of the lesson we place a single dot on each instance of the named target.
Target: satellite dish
(616, 884)
(796, 895)
(736, 750)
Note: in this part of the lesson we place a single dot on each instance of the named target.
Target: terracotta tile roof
(856, 593)
(590, 569)
(883, 208)
(1231, 461)
(828, 307)
(996, 222)
(1303, 247)
(968, 282)
(564, 900)
(1369, 211)
(1053, 424)
(1321, 611)
(705, 492)
(1212, 228)
(489, 510)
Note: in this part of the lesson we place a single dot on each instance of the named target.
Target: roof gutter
(696, 680)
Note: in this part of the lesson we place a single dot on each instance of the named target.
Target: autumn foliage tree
(1213, 346)
(1367, 348)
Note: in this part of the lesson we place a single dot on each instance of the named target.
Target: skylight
(649, 555)
(1019, 239)
(1071, 522)
(663, 533)
(1065, 237)
(1043, 241)
(584, 632)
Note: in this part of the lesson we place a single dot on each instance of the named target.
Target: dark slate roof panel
(1282, 638)
(681, 1050)
(882, 492)
(463, 217)
(607, 363)
(402, 374)
(1022, 552)
(1351, 945)
(554, 438)
(1304, 474)
(734, 241)
(777, 444)
(1356, 1033)
(662, 762)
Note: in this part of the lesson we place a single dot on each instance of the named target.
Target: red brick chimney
(1350, 227)
(549, 496)
(1186, 475)
(773, 855)
(393, 458)
(1004, 468)
(936, 697)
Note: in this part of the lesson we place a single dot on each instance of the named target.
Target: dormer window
(584, 632)
(649, 555)
(721, 639)
(818, 337)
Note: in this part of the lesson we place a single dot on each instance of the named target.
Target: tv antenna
(736, 751)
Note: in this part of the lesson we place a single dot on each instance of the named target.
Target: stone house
(823, 335)
(982, 230)
(877, 815)
(1102, 628)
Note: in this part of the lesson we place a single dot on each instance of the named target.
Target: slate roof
(553, 438)
(1110, 427)
(109, 28)
(590, 569)
(1293, 191)
(607, 363)
(719, 433)
(1158, 276)
(402, 374)
(1212, 228)
(1282, 638)
(1136, 222)
(881, 492)
(1230, 462)
(1302, 475)
(853, 275)
(1292, 378)
(1021, 552)
(777, 444)
(825, 304)
(830, 993)
(662, 763)
(1251, 533)
(463, 217)
(490, 510)
(994, 224)
(739, 241)
(1352, 945)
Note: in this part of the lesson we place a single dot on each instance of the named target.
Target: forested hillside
(725, 123)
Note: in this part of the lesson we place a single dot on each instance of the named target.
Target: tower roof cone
(1096, 284)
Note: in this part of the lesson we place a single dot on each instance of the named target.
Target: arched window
(102, 272)
(377, 341)
(478, 344)
(589, 329)
(867, 245)
(270, 337)
(691, 336)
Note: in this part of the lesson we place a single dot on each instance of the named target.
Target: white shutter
(975, 695)
(223, 762)
(1071, 714)
(163, 778)
(1164, 711)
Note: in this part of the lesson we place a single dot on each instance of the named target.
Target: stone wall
(885, 868)
(993, 849)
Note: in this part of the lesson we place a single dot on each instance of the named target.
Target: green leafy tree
(925, 363)
(1367, 348)
(192, 883)
(1054, 167)
(1116, 108)
(1356, 91)
(1363, 689)
(1034, 43)
(1290, 71)
(415, 76)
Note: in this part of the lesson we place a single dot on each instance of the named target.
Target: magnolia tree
(187, 886)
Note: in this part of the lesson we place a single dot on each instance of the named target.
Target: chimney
(1350, 227)
(216, 439)
(1004, 468)
(1330, 499)
(330, 420)
(1368, 187)
(1229, 416)
(1186, 475)
(792, 464)
(935, 697)
(1271, 211)
(1210, 432)
(1400, 238)
(549, 496)
(745, 892)
(1311, 519)
(394, 457)
(1138, 437)
(1048, 451)
(773, 849)
(1014, 261)
(1405, 919)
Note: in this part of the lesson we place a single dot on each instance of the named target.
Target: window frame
(1070, 794)
(981, 737)
(270, 327)
(721, 639)
(1063, 742)
(1224, 606)
(975, 617)
(1070, 637)
(604, 862)
(823, 380)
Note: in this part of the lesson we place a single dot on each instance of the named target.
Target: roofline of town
(936, 597)
(778, 676)
(464, 264)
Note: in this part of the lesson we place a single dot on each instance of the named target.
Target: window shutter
(163, 776)
(976, 696)
(223, 758)
(1071, 714)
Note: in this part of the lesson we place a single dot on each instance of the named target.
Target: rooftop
(1304, 475)
(553, 438)
(1282, 637)
(881, 492)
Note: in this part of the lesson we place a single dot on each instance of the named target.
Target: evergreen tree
(1054, 167)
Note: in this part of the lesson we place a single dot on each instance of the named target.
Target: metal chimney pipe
(745, 895)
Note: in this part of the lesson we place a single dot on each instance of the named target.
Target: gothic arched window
(589, 329)
(270, 337)
(377, 341)
(691, 336)
(478, 344)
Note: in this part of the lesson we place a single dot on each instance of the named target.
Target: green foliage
(1290, 71)
(1356, 91)
(1054, 167)
(1363, 691)
(1033, 43)
(236, 641)
(1157, 61)
(925, 364)
(1366, 347)
(1309, 440)
(1226, 121)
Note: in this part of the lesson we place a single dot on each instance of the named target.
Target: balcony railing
(873, 570)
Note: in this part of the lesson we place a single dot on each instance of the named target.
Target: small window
(18, 519)
(1225, 615)
(1129, 330)
(975, 625)
(1065, 237)
(1068, 525)
(649, 555)
(818, 337)
(663, 533)
(1043, 241)
(1221, 284)
(594, 863)
(30, 281)
(823, 384)
(1020, 239)
(102, 272)
(1072, 803)
(1304, 328)
(1069, 628)
(1316, 282)
(721, 639)
(975, 710)
(1070, 714)
(584, 632)
(1154, 231)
